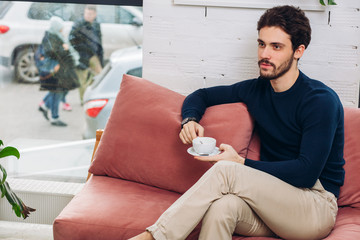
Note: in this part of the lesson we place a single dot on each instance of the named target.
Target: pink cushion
(350, 192)
(141, 143)
(347, 225)
(254, 147)
(109, 208)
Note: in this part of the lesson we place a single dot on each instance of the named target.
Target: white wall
(189, 44)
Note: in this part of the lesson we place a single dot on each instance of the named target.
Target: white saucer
(192, 152)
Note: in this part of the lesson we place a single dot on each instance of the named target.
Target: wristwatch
(186, 120)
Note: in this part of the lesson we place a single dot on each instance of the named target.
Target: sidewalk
(20, 118)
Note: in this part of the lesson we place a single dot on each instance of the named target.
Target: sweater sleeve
(196, 103)
(319, 121)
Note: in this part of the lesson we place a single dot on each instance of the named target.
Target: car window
(65, 11)
(71, 12)
(137, 72)
(111, 14)
(125, 17)
(106, 14)
(44, 11)
(4, 7)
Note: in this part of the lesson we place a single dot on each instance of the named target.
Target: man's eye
(261, 44)
(277, 47)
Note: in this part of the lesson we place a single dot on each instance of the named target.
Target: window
(43, 146)
(71, 12)
(111, 14)
(124, 16)
(44, 11)
(107, 14)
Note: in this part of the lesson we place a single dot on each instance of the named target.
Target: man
(292, 191)
(86, 38)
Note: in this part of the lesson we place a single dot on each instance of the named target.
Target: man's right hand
(190, 131)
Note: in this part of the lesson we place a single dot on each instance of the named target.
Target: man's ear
(299, 51)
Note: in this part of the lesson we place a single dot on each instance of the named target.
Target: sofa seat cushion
(109, 208)
(141, 139)
(347, 224)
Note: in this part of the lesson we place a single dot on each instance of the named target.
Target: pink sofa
(140, 167)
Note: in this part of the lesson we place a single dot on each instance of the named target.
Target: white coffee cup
(204, 145)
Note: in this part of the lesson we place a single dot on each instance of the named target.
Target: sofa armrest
(99, 133)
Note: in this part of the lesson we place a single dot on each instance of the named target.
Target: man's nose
(264, 53)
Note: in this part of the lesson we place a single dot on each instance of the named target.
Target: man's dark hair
(290, 19)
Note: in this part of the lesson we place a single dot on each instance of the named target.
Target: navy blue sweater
(301, 129)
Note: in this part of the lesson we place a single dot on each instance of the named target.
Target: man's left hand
(228, 154)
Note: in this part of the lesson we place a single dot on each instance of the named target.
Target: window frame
(103, 2)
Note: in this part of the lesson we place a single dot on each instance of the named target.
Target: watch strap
(186, 120)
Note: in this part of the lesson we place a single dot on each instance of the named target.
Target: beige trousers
(233, 198)
(85, 75)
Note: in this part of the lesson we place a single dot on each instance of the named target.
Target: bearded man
(292, 191)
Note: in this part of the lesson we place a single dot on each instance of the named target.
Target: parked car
(23, 24)
(99, 97)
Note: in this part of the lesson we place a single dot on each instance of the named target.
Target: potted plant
(20, 209)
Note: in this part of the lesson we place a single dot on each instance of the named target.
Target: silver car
(99, 97)
(23, 24)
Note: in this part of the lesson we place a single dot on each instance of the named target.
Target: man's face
(275, 53)
(89, 15)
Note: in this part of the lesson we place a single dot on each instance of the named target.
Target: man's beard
(277, 71)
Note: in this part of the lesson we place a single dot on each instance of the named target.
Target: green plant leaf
(18, 206)
(3, 175)
(20, 209)
(331, 2)
(322, 2)
(2, 190)
(17, 210)
(9, 151)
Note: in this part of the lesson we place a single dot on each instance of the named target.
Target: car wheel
(25, 68)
